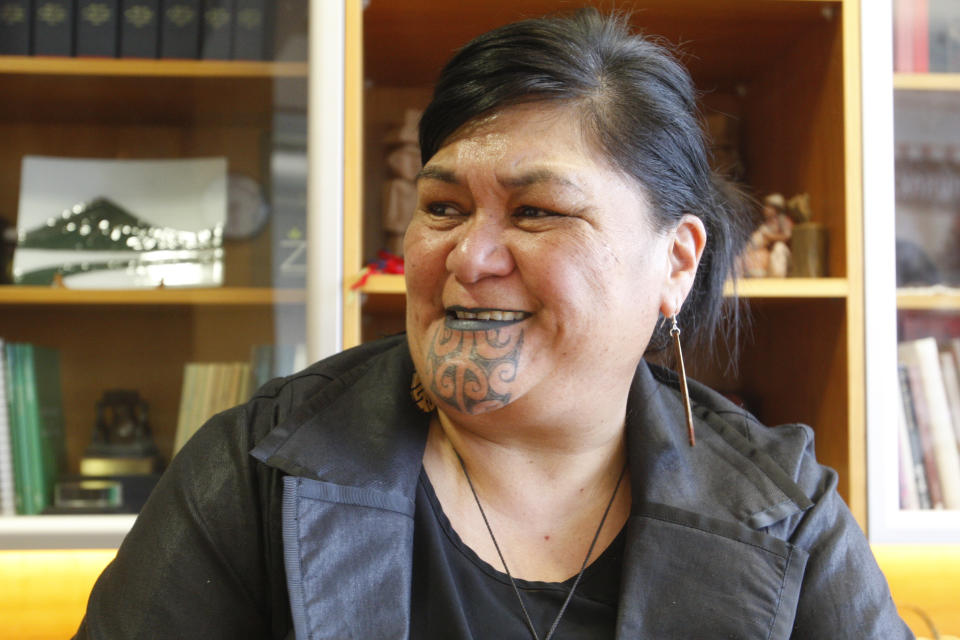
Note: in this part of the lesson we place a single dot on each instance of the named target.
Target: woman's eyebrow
(526, 179)
(539, 176)
(437, 173)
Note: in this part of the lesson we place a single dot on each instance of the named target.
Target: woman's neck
(543, 502)
(539, 448)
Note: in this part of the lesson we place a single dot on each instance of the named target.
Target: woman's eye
(442, 209)
(535, 212)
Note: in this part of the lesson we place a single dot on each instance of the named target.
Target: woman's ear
(685, 249)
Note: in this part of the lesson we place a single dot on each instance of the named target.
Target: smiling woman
(513, 467)
(519, 215)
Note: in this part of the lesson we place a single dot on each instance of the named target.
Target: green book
(18, 430)
(43, 406)
(7, 490)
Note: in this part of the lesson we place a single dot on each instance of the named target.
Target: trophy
(122, 443)
(120, 466)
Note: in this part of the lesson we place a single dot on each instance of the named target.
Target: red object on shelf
(386, 263)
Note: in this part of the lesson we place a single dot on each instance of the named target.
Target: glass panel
(927, 166)
(132, 372)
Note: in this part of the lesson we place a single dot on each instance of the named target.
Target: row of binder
(192, 29)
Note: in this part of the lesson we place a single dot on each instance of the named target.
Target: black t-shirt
(458, 595)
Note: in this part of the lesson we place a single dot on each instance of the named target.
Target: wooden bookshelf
(929, 298)
(927, 81)
(61, 296)
(141, 339)
(788, 71)
(38, 66)
(392, 284)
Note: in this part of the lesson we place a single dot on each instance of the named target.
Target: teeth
(502, 316)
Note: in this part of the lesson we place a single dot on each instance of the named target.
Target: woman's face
(532, 267)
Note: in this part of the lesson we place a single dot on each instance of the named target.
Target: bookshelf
(245, 111)
(907, 168)
(746, 288)
(795, 94)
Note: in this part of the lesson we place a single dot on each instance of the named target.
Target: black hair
(638, 104)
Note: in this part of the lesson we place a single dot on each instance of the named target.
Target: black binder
(53, 27)
(15, 16)
(252, 27)
(216, 29)
(139, 28)
(180, 29)
(97, 27)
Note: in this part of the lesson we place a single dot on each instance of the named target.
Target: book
(187, 399)
(951, 29)
(15, 17)
(8, 506)
(216, 29)
(139, 28)
(916, 450)
(953, 346)
(921, 37)
(923, 356)
(207, 389)
(252, 26)
(202, 408)
(19, 448)
(938, 14)
(43, 407)
(924, 439)
(53, 28)
(903, 33)
(180, 29)
(288, 200)
(951, 384)
(909, 494)
(98, 28)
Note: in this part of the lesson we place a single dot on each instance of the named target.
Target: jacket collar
(363, 430)
(725, 476)
(359, 430)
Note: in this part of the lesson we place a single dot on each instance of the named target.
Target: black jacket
(741, 536)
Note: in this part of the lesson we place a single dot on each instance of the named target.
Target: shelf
(383, 283)
(222, 296)
(747, 287)
(132, 67)
(423, 33)
(118, 92)
(927, 81)
(791, 288)
(929, 298)
(64, 532)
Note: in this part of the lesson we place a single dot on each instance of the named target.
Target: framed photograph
(118, 224)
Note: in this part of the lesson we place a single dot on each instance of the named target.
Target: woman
(512, 467)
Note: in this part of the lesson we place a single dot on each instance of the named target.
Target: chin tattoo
(471, 370)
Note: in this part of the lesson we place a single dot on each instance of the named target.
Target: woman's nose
(480, 251)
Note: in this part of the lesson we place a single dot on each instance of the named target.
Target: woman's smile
(464, 319)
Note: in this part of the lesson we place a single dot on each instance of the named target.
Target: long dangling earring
(675, 332)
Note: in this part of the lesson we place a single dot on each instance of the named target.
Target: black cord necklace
(573, 587)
